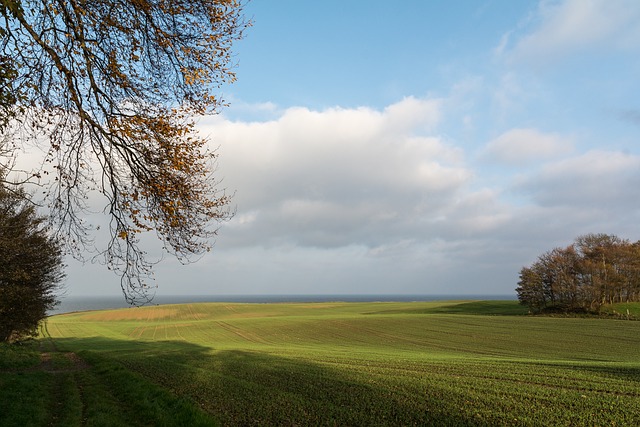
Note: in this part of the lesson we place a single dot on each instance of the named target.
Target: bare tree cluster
(596, 269)
(110, 90)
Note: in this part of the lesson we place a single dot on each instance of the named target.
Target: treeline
(596, 269)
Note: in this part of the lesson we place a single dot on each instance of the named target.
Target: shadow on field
(626, 373)
(255, 388)
(486, 308)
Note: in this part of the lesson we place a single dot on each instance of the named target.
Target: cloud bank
(339, 177)
(522, 147)
(342, 192)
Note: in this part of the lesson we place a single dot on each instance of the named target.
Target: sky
(417, 147)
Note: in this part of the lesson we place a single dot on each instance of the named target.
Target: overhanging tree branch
(113, 86)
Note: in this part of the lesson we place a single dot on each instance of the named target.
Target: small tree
(31, 266)
(531, 291)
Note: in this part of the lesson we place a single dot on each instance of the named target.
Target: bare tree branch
(113, 86)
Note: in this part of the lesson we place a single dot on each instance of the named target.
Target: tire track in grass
(166, 326)
(371, 331)
(195, 315)
(231, 308)
(242, 333)
(54, 327)
(178, 333)
(178, 325)
(133, 335)
(81, 397)
(56, 393)
(65, 368)
(203, 332)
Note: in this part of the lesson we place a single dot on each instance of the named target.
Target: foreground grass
(456, 363)
(59, 390)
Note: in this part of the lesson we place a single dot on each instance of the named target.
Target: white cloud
(413, 112)
(524, 146)
(336, 177)
(604, 181)
(570, 26)
(358, 177)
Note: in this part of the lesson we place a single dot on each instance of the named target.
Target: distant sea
(84, 303)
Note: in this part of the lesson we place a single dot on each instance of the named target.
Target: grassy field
(422, 363)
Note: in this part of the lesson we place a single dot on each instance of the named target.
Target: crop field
(410, 363)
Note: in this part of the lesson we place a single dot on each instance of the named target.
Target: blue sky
(419, 147)
(353, 54)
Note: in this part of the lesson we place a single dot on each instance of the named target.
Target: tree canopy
(596, 269)
(31, 266)
(110, 90)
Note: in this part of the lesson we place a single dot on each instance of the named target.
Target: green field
(420, 363)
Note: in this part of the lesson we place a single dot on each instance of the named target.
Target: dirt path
(66, 368)
(55, 361)
(74, 364)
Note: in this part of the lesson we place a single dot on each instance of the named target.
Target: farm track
(64, 367)
(76, 387)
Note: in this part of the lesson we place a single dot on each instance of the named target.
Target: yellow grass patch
(134, 313)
